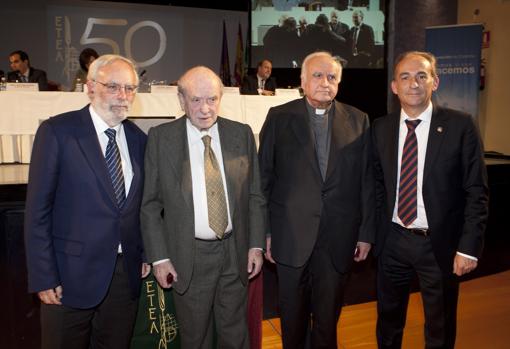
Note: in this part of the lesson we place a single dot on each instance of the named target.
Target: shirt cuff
(160, 261)
(467, 256)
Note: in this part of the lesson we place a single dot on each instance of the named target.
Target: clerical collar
(318, 111)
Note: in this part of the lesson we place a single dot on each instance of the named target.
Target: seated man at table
(261, 83)
(23, 72)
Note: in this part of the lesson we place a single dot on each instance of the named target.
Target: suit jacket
(455, 191)
(34, 75)
(251, 84)
(319, 38)
(73, 225)
(365, 43)
(167, 213)
(340, 28)
(300, 202)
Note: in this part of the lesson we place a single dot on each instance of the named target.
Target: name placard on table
(22, 86)
(163, 89)
(288, 92)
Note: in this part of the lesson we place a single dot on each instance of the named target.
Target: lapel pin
(440, 129)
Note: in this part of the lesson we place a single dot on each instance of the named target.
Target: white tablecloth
(22, 112)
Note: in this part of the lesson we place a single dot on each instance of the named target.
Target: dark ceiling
(236, 5)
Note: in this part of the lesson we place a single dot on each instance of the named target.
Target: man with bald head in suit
(203, 214)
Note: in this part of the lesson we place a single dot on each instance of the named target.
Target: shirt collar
(425, 116)
(195, 135)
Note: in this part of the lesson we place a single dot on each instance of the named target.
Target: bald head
(200, 90)
(196, 76)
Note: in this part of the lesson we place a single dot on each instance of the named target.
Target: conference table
(22, 112)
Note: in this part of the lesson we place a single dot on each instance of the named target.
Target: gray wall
(193, 35)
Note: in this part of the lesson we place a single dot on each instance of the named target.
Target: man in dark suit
(204, 229)
(23, 72)
(318, 181)
(361, 41)
(431, 187)
(82, 228)
(261, 83)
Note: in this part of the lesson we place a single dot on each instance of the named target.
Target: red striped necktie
(407, 191)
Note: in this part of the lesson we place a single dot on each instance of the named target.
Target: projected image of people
(286, 31)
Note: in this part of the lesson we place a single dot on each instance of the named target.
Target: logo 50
(87, 39)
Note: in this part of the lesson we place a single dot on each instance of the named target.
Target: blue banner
(458, 52)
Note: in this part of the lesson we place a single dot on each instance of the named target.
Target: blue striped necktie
(407, 192)
(114, 164)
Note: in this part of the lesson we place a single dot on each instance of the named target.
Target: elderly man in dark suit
(203, 214)
(82, 228)
(23, 72)
(317, 177)
(431, 186)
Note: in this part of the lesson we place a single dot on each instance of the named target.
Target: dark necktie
(407, 191)
(354, 38)
(216, 201)
(114, 164)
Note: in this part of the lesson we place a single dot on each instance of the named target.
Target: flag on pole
(239, 66)
(225, 62)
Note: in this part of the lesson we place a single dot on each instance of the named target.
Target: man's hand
(51, 296)
(362, 249)
(267, 93)
(463, 265)
(161, 272)
(268, 255)
(146, 269)
(255, 261)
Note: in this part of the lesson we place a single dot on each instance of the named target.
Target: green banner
(156, 324)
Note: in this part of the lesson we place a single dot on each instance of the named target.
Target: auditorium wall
(164, 40)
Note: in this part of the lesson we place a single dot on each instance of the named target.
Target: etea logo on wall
(115, 35)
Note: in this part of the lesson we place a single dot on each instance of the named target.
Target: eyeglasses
(114, 88)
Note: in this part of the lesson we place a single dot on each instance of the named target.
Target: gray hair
(359, 13)
(325, 54)
(105, 60)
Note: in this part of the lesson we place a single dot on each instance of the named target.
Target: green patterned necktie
(216, 201)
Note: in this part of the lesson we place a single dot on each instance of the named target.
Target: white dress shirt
(196, 156)
(120, 137)
(260, 84)
(422, 137)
